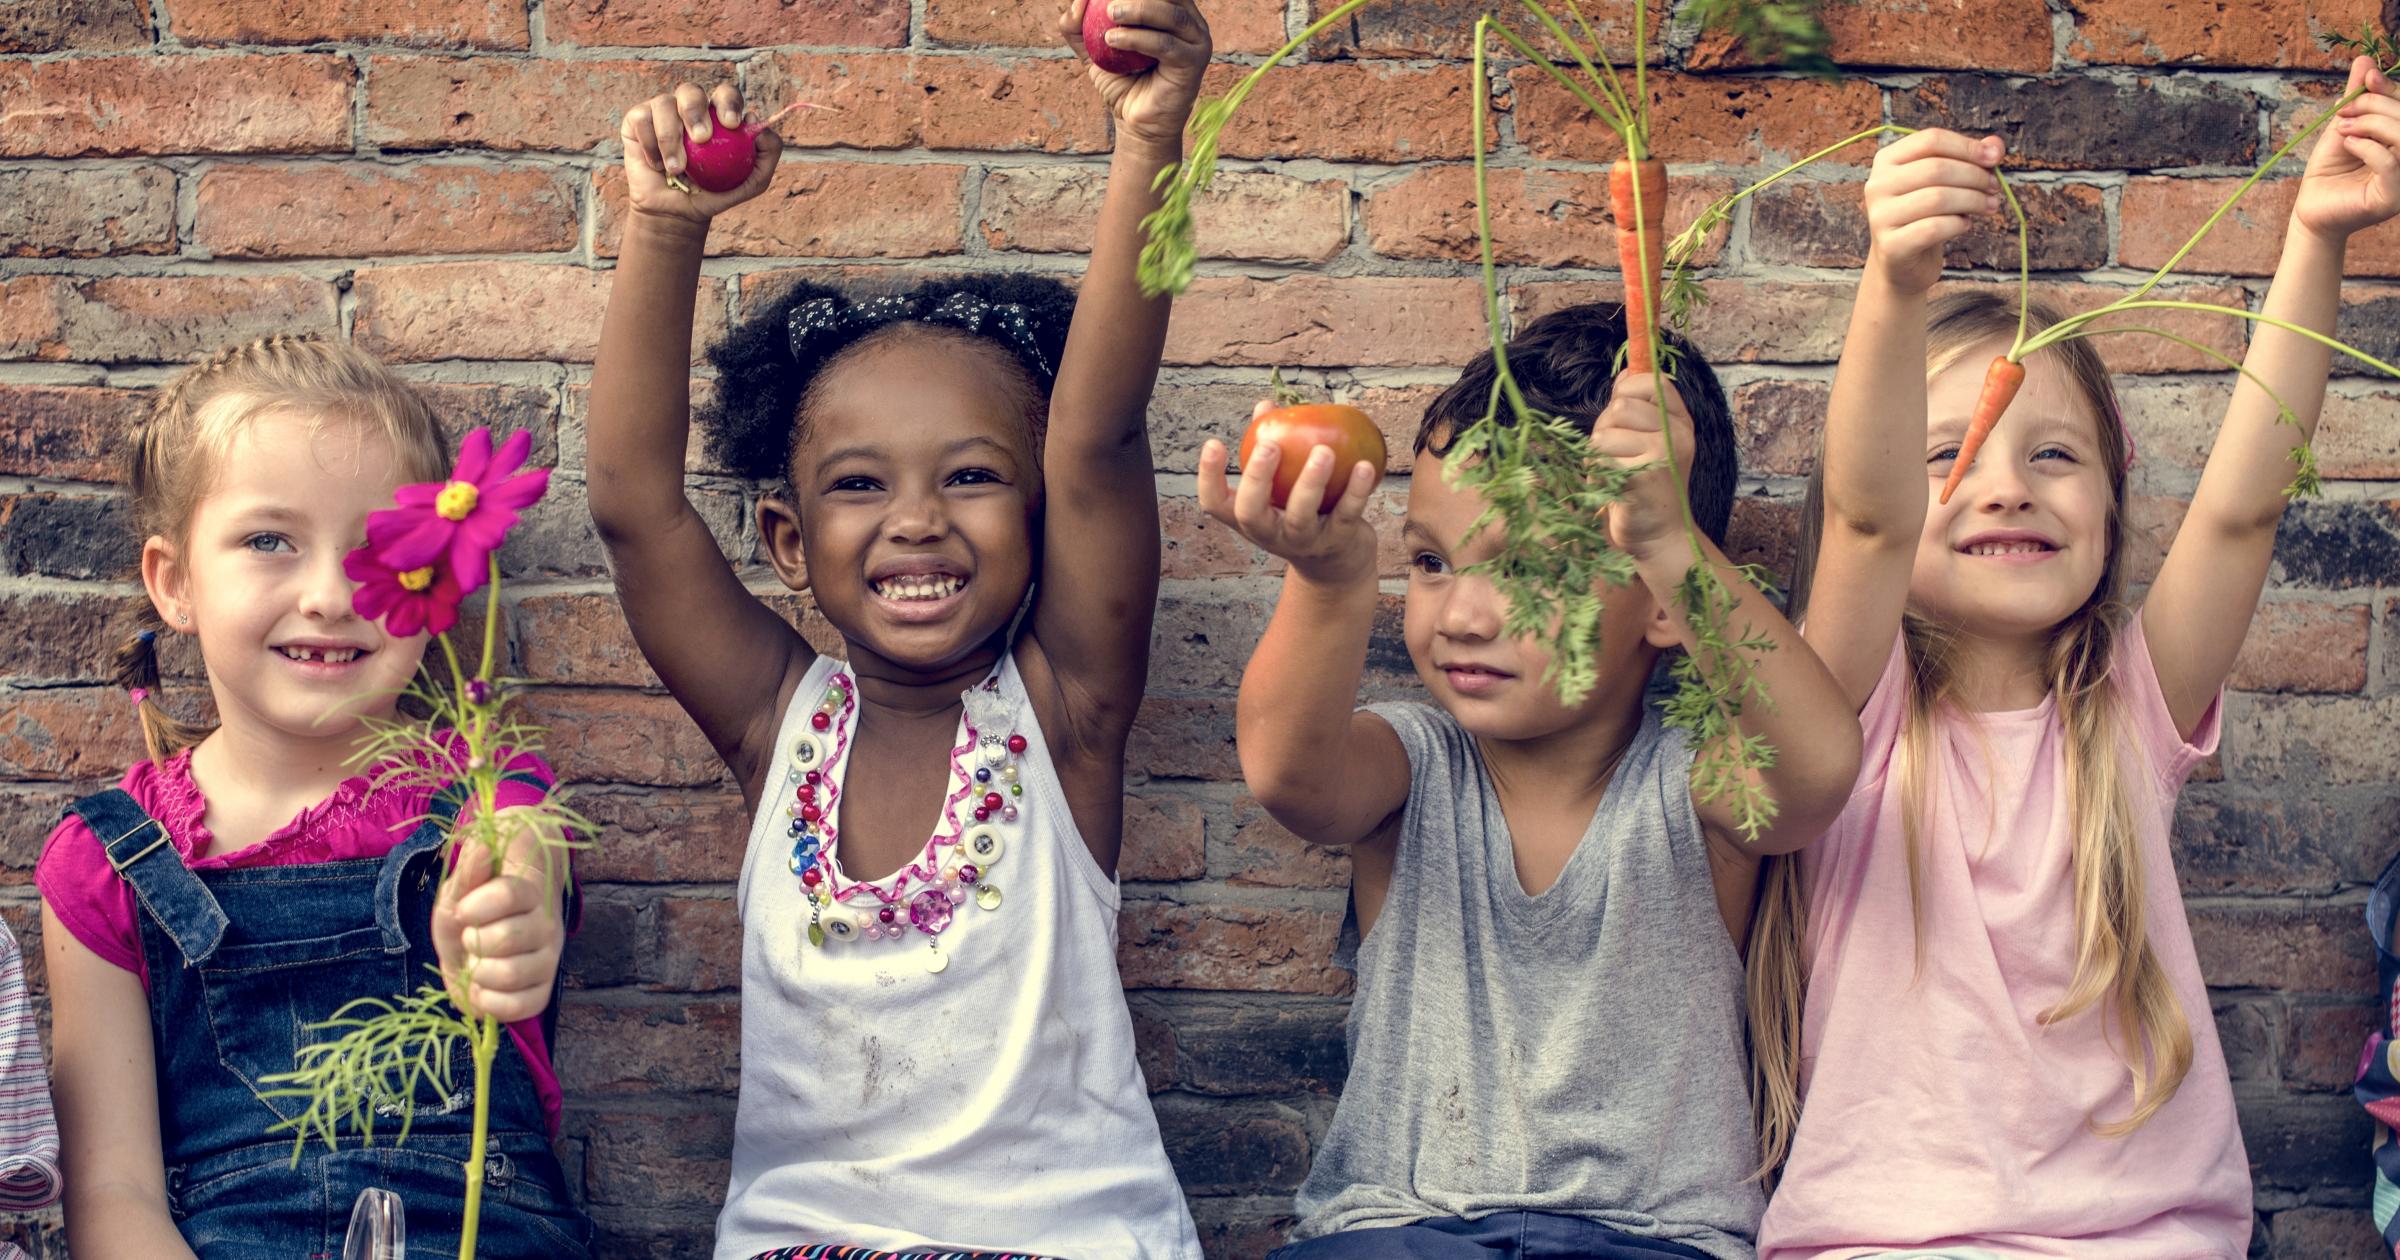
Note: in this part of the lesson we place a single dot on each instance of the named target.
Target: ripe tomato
(1303, 427)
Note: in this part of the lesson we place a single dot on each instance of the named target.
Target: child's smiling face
(917, 488)
(1494, 683)
(259, 572)
(2025, 540)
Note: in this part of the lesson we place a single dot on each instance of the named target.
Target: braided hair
(772, 366)
(171, 459)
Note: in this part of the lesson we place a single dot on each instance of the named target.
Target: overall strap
(137, 848)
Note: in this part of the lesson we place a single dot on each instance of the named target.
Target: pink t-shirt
(1938, 1111)
(356, 821)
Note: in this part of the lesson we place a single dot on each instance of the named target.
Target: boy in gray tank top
(1547, 1038)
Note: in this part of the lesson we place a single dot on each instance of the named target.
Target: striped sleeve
(28, 1130)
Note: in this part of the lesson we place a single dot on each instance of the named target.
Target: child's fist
(1628, 431)
(658, 180)
(1921, 195)
(2353, 178)
(1336, 546)
(498, 937)
(1152, 106)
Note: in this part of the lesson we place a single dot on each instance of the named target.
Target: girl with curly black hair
(936, 1053)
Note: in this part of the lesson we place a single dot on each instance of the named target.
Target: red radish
(723, 161)
(1096, 24)
(2000, 383)
(1298, 429)
(1640, 267)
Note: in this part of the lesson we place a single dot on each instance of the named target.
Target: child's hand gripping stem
(498, 933)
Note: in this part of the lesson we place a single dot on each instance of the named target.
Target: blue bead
(983, 774)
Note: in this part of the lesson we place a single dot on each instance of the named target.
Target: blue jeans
(1500, 1236)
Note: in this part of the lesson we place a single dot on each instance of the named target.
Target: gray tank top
(1579, 1052)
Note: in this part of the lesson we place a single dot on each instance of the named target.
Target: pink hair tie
(139, 694)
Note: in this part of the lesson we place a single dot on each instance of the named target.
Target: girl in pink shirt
(248, 879)
(2005, 1048)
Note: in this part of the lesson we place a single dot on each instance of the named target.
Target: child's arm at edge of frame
(727, 658)
(1922, 194)
(2199, 609)
(102, 1086)
(1100, 545)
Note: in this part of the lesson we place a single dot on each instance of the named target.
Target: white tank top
(992, 1104)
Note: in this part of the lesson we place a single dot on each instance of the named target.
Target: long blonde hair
(2116, 969)
(171, 459)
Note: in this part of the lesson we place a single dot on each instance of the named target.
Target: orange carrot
(2000, 382)
(1639, 268)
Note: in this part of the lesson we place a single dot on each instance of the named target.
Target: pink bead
(968, 874)
(814, 777)
(811, 878)
(810, 813)
(1010, 813)
(1016, 743)
(820, 720)
(886, 914)
(992, 800)
(983, 815)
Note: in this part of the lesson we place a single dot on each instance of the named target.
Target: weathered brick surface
(438, 183)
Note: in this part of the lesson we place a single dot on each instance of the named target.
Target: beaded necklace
(956, 861)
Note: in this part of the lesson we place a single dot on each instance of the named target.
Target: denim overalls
(240, 962)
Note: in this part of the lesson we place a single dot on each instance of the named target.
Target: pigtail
(135, 668)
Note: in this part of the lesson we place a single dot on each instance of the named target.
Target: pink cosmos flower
(462, 520)
(406, 601)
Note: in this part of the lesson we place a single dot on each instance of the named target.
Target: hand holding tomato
(1289, 504)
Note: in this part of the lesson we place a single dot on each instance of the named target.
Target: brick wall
(434, 179)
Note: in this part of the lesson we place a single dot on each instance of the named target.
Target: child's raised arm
(1920, 196)
(2199, 609)
(1328, 774)
(1810, 723)
(728, 659)
(1099, 574)
(101, 1081)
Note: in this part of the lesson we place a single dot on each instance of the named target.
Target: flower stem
(487, 1040)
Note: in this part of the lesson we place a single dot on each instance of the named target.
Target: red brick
(897, 101)
(1184, 739)
(2214, 32)
(79, 734)
(2370, 321)
(69, 432)
(2133, 352)
(2151, 522)
(115, 106)
(2323, 1052)
(319, 211)
(1161, 945)
(152, 319)
(86, 213)
(1539, 218)
(26, 816)
(61, 635)
(1764, 532)
(501, 103)
(1417, 29)
(2160, 213)
(1357, 112)
(1244, 214)
(2319, 949)
(2076, 122)
(1696, 118)
(40, 26)
(654, 1162)
(2298, 645)
(662, 837)
(730, 23)
(419, 312)
(460, 407)
(1165, 839)
(1234, 26)
(1742, 321)
(813, 210)
(2317, 740)
(2317, 1233)
(630, 1049)
(2176, 424)
(425, 23)
(1780, 425)
(582, 639)
(1999, 35)
(1818, 224)
(699, 944)
(1264, 854)
(1318, 321)
(622, 737)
